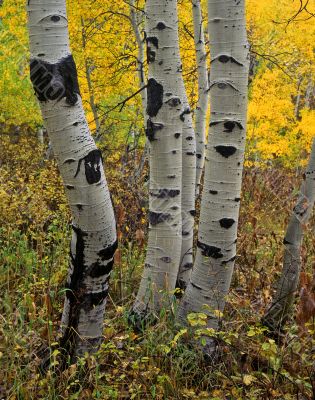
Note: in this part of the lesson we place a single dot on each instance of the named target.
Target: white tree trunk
(298, 99)
(135, 22)
(216, 249)
(203, 90)
(164, 131)
(309, 93)
(193, 150)
(53, 74)
(188, 193)
(281, 305)
(40, 135)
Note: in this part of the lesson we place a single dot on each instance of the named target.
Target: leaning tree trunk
(281, 305)
(216, 247)
(164, 131)
(54, 77)
(203, 90)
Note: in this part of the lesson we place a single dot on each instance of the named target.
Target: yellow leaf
(248, 379)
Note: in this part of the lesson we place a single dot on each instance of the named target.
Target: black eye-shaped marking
(224, 58)
(223, 84)
(229, 125)
(56, 19)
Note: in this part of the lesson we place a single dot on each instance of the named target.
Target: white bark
(49, 152)
(164, 132)
(298, 99)
(54, 77)
(279, 310)
(216, 250)
(193, 150)
(203, 90)
(40, 135)
(188, 193)
(309, 93)
(135, 22)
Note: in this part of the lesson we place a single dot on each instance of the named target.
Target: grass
(165, 362)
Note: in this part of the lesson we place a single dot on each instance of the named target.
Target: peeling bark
(280, 308)
(54, 76)
(211, 276)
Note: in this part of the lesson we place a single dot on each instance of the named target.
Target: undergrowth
(164, 362)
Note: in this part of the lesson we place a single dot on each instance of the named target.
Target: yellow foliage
(103, 44)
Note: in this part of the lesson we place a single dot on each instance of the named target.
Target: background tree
(203, 87)
(136, 20)
(281, 307)
(88, 72)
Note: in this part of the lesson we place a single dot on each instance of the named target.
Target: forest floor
(164, 362)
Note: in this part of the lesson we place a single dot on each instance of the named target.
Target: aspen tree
(193, 143)
(136, 19)
(279, 310)
(88, 72)
(164, 130)
(54, 77)
(203, 90)
(216, 248)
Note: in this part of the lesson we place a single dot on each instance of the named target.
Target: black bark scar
(187, 266)
(229, 260)
(225, 151)
(151, 53)
(167, 260)
(185, 112)
(155, 97)
(173, 101)
(166, 193)
(74, 290)
(210, 251)
(108, 253)
(98, 269)
(161, 26)
(228, 125)
(227, 222)
(151, 129)
(92, 164)
(223, 58)
(55, 81)
(156, 218)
